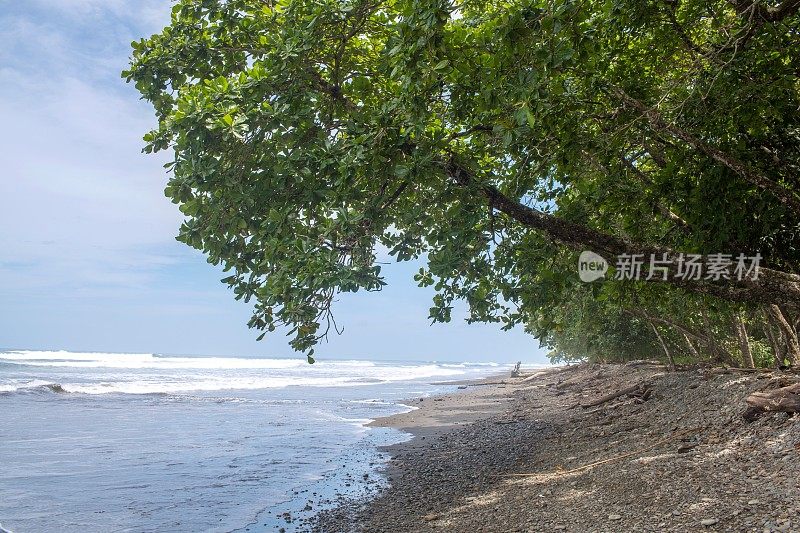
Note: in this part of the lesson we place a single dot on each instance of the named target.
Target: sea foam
(131, 373)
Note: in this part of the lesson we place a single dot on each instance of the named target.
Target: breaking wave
(123, 373)
(32, 387)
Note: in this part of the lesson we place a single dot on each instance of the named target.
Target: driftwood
(785, 399)
(640, 390)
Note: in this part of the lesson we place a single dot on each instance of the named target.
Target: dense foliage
(495, 140)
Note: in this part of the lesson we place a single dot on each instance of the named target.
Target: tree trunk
(692, 349)
(683, 328)
(663, 346)
(775, 341)
(744, 342)
(789, 335)
(705, 337)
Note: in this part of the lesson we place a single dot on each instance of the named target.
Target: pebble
(735, 459)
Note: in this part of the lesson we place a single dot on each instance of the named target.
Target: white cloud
(142, 13)
(88, 259)
(79, 204)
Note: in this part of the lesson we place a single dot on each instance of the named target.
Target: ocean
(102, 442)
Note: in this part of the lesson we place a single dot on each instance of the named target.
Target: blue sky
(88, 259)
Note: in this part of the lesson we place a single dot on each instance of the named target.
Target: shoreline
(537, 453)
(360, 474)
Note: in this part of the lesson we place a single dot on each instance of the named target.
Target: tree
(492, 139)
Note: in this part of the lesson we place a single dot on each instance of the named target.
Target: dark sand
(681, 459)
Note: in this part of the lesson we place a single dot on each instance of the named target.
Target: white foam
(129, 360)
(104, 373)
(19, 385)
(208, 384)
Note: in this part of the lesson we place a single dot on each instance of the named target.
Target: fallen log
(785, 399)
(639, 389)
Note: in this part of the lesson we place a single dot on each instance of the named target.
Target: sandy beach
(544, 452)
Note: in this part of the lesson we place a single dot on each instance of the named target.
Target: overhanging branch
(771, 287)
(784, 195)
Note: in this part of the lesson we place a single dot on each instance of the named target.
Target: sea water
(100, 442)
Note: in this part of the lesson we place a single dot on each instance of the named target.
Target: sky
(88, 258)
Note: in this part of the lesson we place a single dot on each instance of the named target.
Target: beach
(552, 451)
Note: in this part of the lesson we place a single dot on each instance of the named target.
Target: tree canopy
(495, 140)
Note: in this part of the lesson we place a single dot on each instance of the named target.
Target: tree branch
(777, 13)
(784, 195)
(664, 210)
(771, 287)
